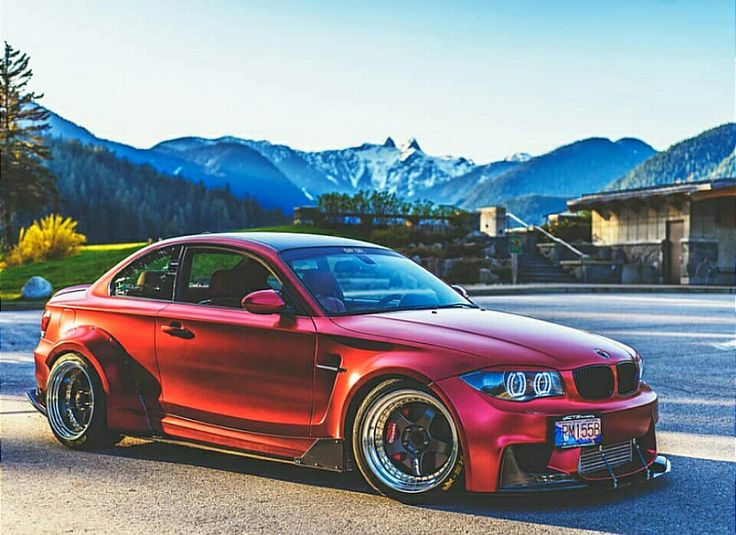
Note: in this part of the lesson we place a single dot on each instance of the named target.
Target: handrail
(550, 236)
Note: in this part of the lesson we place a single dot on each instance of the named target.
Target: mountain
(279, 176)
(454, 192)
(244, 171)
(532, 208)
(707, 156)
(115, 200)
(580, 167)
(519, 157)
(406, 170)
(229, 163)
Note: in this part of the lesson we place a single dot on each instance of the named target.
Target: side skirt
(35, 400)
(324, 454)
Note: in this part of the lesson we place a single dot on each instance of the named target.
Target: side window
(222, 278)
(151, 276)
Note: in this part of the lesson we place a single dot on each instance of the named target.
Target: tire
(75, 405)
(405, 443)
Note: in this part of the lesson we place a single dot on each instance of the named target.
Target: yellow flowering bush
(52, 237)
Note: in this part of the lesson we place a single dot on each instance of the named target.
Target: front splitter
(659, 467)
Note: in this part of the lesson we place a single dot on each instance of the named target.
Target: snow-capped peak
(411, 144)
(519, 157)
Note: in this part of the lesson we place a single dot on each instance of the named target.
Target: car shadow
(133, 448)
(642, 508)
(457, 500)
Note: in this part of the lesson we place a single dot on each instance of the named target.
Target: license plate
(575, 431)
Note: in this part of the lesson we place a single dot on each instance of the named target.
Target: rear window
(150, 277)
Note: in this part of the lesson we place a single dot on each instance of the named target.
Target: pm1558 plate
(575, 431)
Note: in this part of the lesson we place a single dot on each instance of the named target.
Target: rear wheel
(75, 404)
(405, 442)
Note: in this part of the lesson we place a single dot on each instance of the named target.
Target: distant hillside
(115, 200)
(454, 192)
(532, 208)
(243, 170)
(709, 155)
(581, 167)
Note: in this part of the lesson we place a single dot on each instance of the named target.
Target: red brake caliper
(390, 437)
(391, 433)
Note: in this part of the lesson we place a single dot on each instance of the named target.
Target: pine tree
(25, 182)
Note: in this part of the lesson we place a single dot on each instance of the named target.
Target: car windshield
(353, 280)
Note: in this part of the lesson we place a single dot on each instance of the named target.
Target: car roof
(281, 241)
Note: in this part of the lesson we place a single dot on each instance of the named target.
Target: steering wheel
(386, 300)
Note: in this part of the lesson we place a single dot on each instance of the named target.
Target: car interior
(223, 279)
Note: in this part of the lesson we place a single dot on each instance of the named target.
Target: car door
(224, 366)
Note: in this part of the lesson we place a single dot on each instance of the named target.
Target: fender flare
(126, 408)
(369, 380)
(100, 349)
(400, 371)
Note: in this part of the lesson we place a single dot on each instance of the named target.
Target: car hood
(499, 338)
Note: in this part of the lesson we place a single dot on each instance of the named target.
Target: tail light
(45, 319)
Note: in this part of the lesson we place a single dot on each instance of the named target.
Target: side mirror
(263, 302)
(462, 291)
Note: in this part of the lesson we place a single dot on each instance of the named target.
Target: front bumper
(494, 430)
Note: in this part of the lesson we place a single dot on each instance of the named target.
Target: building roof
(685, 189)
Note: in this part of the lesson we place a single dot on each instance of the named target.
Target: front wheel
(405, 442)
(75, 404)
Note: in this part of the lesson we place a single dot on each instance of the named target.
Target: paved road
(689, 348)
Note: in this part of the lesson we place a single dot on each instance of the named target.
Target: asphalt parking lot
(688, 342)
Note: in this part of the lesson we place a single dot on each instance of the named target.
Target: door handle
(175, 328)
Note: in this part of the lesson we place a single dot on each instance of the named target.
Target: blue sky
(480, 79)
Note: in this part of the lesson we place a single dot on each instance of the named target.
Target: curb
(509, 289)
(530, 289)
(7, 306)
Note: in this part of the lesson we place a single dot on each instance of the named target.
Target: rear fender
(123, 380)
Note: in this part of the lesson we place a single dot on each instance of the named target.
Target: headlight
(516, 385)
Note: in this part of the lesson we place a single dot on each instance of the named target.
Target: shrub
(393, 236)
(466, 270)
(52, 237)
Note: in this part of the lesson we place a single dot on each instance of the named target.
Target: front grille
(594, 382)
(628, 377)
(592, 457)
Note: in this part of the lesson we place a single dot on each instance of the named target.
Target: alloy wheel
(70, 400)
(409, 441)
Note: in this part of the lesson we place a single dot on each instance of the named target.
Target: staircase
(533, 267)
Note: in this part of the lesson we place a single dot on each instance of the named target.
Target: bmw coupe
(339, 354)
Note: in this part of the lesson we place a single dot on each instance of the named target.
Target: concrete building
(492, 220)
(676, 234)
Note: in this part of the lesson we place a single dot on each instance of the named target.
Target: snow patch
(307, 194)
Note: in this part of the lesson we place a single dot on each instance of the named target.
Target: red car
(339, 354)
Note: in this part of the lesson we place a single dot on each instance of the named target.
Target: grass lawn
(94, 260)
(82, 268)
